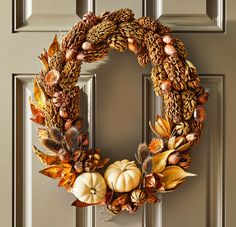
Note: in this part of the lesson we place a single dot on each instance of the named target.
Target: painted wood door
(118, 101)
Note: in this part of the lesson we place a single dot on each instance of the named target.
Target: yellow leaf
(45, 158)
(162, 127)
(172, 185)
(159, 161)
(174, 173)
(54, 171)
(39, 95)
(54, 47)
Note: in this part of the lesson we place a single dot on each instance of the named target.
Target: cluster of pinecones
(173, 76)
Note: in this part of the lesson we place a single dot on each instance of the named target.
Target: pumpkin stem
(93, 190)
(127, 164)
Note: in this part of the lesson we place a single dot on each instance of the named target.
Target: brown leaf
(121, 200)
(39, 116)
(150, 181)
(54, 171)
(152, 197)
(103, 163)
(107, 198)
(45, 158)
(54, 47)
(78, 203)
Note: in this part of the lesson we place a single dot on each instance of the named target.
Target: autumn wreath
(160, 165)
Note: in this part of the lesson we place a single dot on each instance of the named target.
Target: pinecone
(122, 15)
(73, 107)
(149, 23)
(158, 75)
(143, 57)
(189, 100)
(117, 42)
(98, 52)
(70, 74)
(179, 46)
(164, 30)
(90, 19)
(100, 32)
(57, 61)
(173, 106)
(191, 75)
(52, 117)
(75, 37)
(155, 47)
(175, 70)
(132, 30)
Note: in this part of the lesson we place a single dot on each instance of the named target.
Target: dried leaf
(159, 161)
(66, 179)
(39, 95)
(54, 47)
(121, 200)
(45, 158)
(38, 114)
(174, 173)
(44, 59)
(151, 196)
(102, 163)
(150, 181)
(54, 171)
(78, 203)
(178, 143)
(162, 127)
(172, 185)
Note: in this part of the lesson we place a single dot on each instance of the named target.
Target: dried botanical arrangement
(160, 165)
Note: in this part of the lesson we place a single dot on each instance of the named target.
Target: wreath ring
(161, 165)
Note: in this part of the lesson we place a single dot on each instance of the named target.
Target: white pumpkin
(122, 176)
(90, 187)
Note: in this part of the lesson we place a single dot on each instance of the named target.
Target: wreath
(160, 165)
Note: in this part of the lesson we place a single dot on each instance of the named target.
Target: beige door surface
(118, 102)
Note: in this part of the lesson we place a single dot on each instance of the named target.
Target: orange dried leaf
(39, 95)
(121, 200)
(45, 158)
(162, 127)
(54, 47)
(54, 171)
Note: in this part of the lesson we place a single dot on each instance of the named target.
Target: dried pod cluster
(162, 163)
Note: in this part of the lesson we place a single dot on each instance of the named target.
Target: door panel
(121, 102)
(201, 199)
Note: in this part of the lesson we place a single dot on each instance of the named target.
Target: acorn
(170, 49)
(174, 158)
(80, 57)
(87, 46)
(78, 166)
(68, 124)
(63, 112)
(202, 99)
(167, 39)
(166, 86)
(71, 54)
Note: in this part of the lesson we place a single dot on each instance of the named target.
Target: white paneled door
(117, 103)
